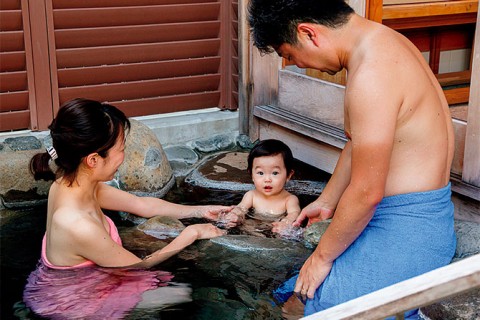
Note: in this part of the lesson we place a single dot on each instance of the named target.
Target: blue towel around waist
(408, 235)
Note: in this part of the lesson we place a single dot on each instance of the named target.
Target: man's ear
(306, 31)
(91, 160)
(312, 33)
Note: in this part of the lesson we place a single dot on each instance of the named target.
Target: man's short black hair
(274, 22)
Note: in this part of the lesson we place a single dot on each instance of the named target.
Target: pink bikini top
(113, 234)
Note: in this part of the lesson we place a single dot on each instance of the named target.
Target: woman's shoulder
(75, 221)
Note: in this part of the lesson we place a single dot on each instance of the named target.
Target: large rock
(18, 189)
(146, 170)
(162, 227)
(468, 239)
(230, 256)
(460, 307)
(464, 306)
(228, 171)
(313, 233)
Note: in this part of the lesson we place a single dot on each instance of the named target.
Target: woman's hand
(205, 231)
(315, 212)
(213, 212)
(233, 218)
(228, 217)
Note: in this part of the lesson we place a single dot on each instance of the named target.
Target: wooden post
(226, 54)
(32, 100)
(471, 162)
(52, 57)
(374, 10)
(40, 54)
(244, 80)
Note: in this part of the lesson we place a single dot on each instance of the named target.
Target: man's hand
(311, 276)
(315, 212)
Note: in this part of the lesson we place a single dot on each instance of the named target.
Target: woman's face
(115, 157)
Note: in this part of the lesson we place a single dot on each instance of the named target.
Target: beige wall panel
(460, 128)
(313, 98)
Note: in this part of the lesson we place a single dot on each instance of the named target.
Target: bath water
(210, 297)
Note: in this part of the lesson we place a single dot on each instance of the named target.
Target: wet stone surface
(212, 144)
(23, 143)
(227, 171)
(461, 307)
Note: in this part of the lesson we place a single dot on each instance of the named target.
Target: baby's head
(271, 147)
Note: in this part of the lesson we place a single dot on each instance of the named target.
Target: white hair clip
(52, 152)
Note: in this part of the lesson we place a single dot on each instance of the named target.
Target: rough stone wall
(17, 186)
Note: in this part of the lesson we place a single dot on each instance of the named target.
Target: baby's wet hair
(271, 147)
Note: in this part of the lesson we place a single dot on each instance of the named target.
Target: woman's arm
(92, 242)
(184, 239)
(147, 207)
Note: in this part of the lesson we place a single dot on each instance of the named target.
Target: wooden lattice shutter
(14, 88)
(144, 56)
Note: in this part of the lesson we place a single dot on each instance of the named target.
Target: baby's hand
(205, 231)
(287, 230)
(279, 226)
(230, 219)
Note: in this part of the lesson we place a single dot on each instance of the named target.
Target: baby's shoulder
(289, 196)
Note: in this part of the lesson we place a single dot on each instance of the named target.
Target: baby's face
(269, 174)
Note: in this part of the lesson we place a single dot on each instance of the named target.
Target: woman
(88, 147)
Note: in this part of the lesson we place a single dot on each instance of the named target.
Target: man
(389, 194)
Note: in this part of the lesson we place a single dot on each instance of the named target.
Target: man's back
(401, 91)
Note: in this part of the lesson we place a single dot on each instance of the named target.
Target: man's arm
(372, 115)
(324, 206)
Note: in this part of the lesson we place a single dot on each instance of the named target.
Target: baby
(270, 164)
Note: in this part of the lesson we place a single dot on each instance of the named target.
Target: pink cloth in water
(113, 234)
(87, 291)
(90, 292)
